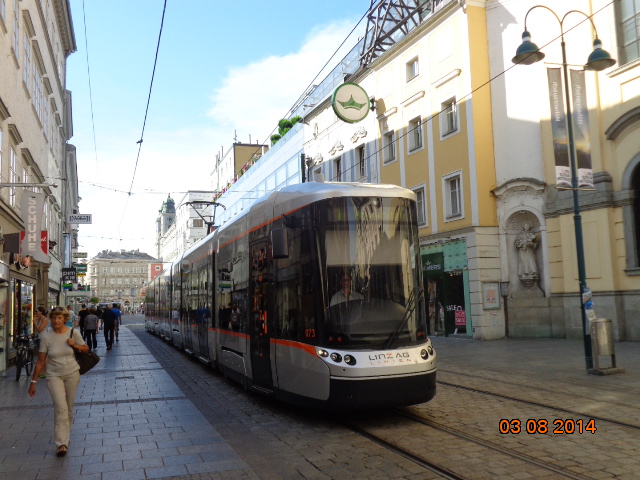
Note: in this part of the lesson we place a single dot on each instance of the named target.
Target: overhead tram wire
(93, 123)
(144, 123)
(488, 82)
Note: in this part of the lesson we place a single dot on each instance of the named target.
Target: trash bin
(601, 331)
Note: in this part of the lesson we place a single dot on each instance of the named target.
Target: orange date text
(559, 426)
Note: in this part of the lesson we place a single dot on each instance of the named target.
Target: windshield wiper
(411, 306)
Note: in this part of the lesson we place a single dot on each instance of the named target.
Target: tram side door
(260, 313)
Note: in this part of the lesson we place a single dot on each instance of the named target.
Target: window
(13, 176)
(412, 69)
(449, 117)
(389, 147)
(453, 196)
(362, 166)
(16, 28)
(415, 133)
(628, 20)
(3, 10)
(337, 164)
(198, 223)
(421, 206)
(26, 67)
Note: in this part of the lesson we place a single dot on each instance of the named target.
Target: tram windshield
(372, 290)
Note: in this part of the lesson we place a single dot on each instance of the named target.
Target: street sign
(80, 255)
(80, 268)
(80, 218)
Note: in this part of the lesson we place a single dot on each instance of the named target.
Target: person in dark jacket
(109, 319)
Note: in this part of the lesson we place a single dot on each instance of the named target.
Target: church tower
(166, 218)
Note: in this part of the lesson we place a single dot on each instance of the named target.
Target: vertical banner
(31, 210)
(581, 130)
(559, 129)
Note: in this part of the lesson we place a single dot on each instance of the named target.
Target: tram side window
(296, 298)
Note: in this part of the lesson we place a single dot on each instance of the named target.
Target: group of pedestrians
(94, 319)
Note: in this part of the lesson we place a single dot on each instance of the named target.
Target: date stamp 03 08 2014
(542, 426)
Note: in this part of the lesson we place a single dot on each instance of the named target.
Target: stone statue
(526, 244)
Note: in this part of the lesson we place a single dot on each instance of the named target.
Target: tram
(313, 295)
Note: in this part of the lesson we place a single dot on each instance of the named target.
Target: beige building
(119, 276)
(36, 38)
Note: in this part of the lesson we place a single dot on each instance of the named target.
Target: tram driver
(345, 294)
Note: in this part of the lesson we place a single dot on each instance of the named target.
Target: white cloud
(254, 97)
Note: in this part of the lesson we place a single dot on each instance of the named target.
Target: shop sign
(350, 102)
(68, 275)
(33, 240)
(461, 317)
(433, 264)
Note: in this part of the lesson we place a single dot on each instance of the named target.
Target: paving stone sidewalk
(131, 422)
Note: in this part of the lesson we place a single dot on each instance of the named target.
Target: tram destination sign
(80, 218)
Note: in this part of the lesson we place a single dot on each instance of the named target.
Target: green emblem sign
(350, 102)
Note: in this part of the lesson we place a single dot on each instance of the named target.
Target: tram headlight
(424, 354)
(349, 360)
(322, 353)
(336, 357)
(430, 350)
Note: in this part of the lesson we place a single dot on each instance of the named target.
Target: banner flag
(581, 130)
(32, 210)
(559, 129)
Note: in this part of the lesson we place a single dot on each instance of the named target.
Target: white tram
(259, 298)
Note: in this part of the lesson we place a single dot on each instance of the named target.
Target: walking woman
(63, 376)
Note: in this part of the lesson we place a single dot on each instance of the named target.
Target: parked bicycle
(24, 354)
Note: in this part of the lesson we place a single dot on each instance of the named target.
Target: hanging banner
(559, 129)
(581, 130)
(31, 241)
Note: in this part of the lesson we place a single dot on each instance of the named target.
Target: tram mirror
(279, 244)
(229, 266)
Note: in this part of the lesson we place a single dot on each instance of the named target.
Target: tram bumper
(382, 392)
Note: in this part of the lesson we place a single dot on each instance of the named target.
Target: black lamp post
(527, 54)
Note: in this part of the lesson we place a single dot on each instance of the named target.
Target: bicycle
(24, 354)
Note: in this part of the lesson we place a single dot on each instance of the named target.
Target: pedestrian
(73, 318)
(82, 314)
(118, 321)
(109, 320)
(63, 373)
(41, 324)
(90, 329)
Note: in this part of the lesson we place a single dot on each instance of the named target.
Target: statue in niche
(526, 244)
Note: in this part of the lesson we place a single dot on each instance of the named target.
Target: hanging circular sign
(350, 102)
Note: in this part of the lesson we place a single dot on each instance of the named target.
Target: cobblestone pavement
(149, 411)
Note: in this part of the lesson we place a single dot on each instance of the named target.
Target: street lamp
(527, 54)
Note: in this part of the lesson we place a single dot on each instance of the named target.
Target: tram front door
(261, 293)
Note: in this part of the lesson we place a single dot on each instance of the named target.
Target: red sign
(461, 318)
(44, 242)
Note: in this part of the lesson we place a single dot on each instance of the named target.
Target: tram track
(534, 403)
(445, 467)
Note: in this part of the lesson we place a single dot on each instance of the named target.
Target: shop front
(17, 293)
(446, 280)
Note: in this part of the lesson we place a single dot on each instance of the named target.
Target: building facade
(36, 38)
(120, 276)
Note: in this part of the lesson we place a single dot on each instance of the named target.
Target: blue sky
(223, 67)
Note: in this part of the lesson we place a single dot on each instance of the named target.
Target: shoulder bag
(86, 360)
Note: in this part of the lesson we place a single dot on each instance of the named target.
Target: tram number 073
(543, 426)
(310, 333)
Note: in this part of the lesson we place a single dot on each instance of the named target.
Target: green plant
(284, 126)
